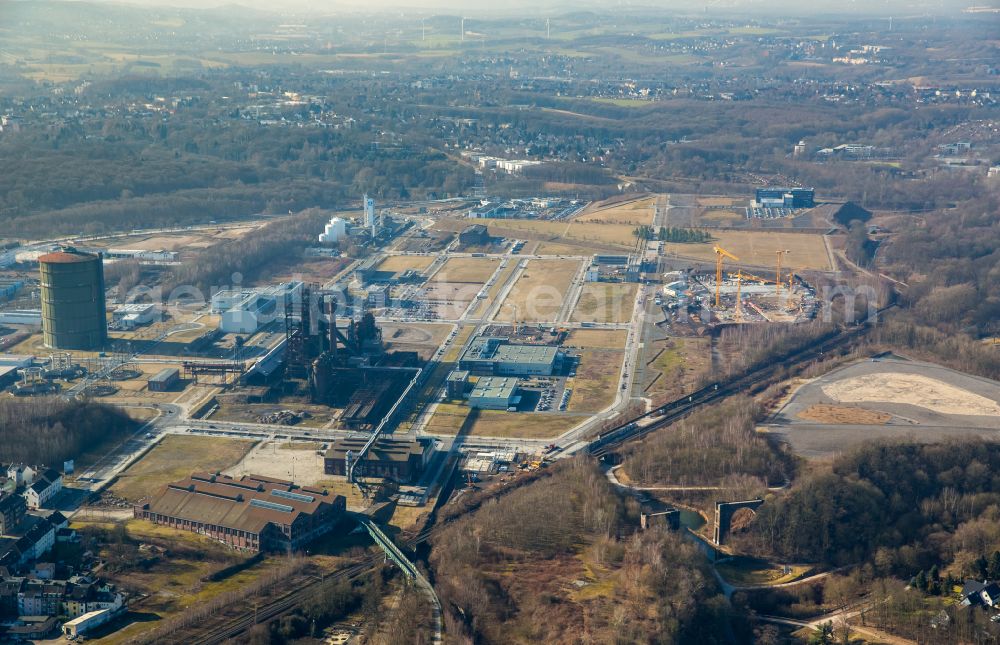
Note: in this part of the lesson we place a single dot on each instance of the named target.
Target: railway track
(605, 443)
(280, 606)
(675, 410)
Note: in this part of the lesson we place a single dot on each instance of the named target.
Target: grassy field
(300, 445)
(558, 248)
(483, 304)
(633, 213)
(524, 425)
(716, 217)
(675, 365)
(606, 302)
(474, 270)
(175, 583)
(751, 571)
(596, 380)
(806, 250)
(629, 103)
(355, 498)
(455, 349)
(718, 201)
(448, 418)
(598, 338)
(400, 263)
(598, 234)
(540, 291)
(175, 458)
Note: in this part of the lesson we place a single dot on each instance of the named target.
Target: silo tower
(73, 307)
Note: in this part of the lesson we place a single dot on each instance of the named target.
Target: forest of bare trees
(707, 447)
(250, 255)
(904, 506)
(949, 261)
(957, 351)
(47, 430)
(504, 573)
(746, 347)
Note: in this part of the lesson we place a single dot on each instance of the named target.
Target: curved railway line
(604, 444)
(680, 408)
(280, 606)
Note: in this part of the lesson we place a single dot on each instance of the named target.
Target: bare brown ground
(850, 416)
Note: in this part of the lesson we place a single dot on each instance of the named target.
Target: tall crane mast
(777, 274)
(720, 255)
(739, 299)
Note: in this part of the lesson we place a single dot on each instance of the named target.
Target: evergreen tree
(980, 567)
(993, 570)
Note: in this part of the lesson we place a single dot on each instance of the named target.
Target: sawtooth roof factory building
(492, 355)
(253, 512)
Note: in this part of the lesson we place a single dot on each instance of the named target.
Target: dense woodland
(958, 351)
(48, 430)
(151, 175)
(504, 573)
(950, 260)
(905, 507)
(746, 347)
(717, 445)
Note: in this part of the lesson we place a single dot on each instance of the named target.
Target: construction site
(728, 296)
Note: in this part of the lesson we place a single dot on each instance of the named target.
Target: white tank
(334, 231)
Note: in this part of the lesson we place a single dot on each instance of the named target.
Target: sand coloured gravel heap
(912, 389)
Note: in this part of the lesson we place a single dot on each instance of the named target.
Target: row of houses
(35, 537)
(30, 596)
(33, 606)
(36, 484)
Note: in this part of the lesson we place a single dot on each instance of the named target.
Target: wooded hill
(507, 573)
(903, 506)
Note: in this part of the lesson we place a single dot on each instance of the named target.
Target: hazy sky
(508, 6)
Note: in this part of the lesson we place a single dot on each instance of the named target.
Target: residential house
(10, 588)
(985, 593)
(41, 598)
(43, 488)
(20, 474)
(12, 510)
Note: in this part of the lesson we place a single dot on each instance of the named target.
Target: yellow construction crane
(757, 278)
(739, 300)
(777, 273)
(720, 255)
